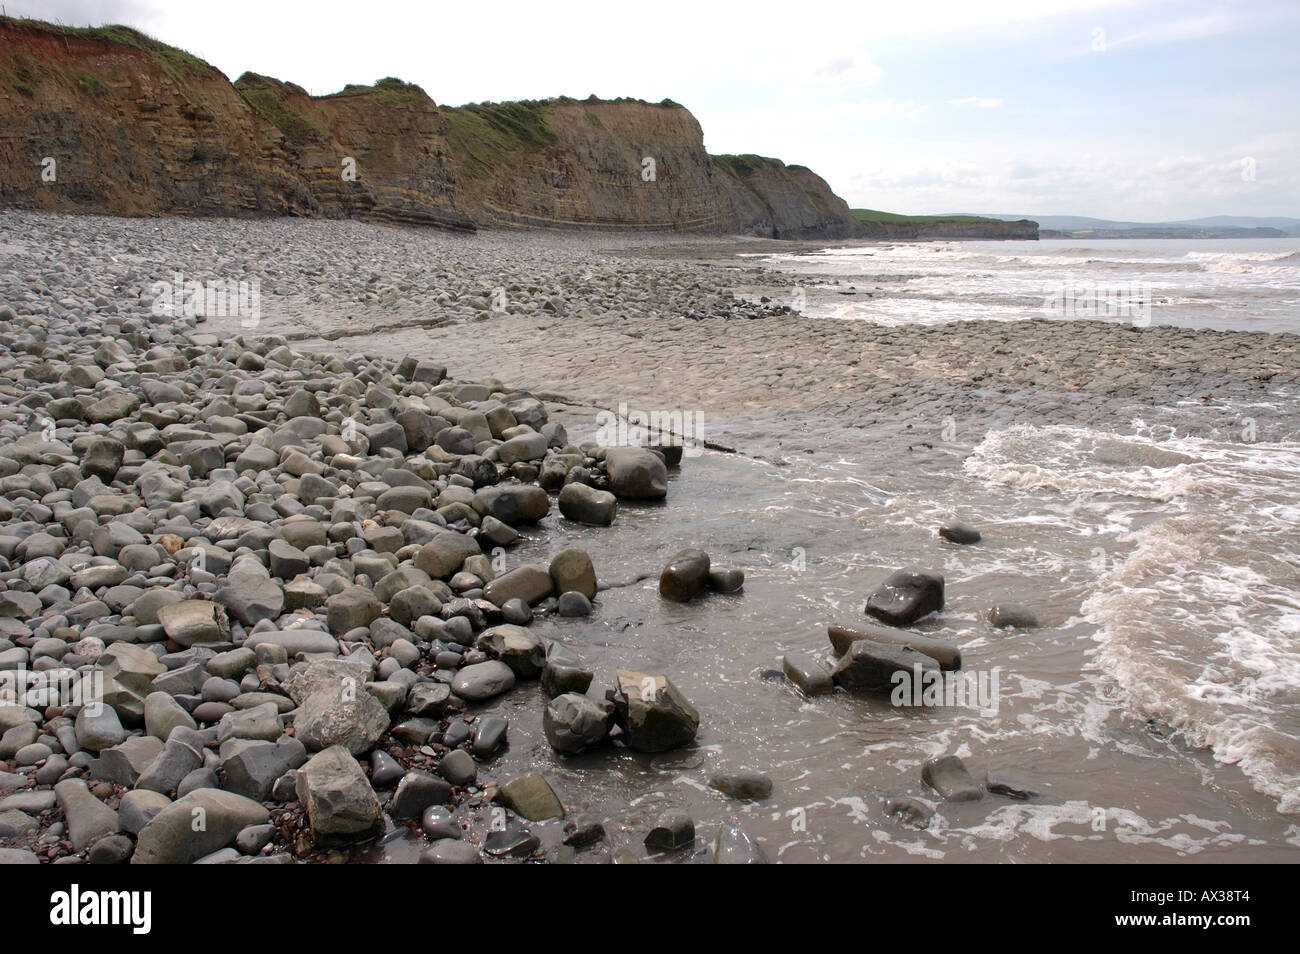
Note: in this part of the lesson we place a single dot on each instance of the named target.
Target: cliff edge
(109, 120)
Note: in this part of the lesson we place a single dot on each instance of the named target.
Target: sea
(1238, 285)
(1154, 712)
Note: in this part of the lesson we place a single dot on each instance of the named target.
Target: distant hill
(1218, 226)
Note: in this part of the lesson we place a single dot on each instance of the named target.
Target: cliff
(767, 197)
(109, 120)
(889, 225)
(562, 163)
(375, 152)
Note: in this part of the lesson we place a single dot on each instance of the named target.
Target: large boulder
(523, 447)
(204, 821)
(685, 576)
(875, 667)
(341, 806)
(87, 818)
(532, 584)
(531, 796)
(946, 655)
(906, 596)
(574, 723)
(572, 571)
(517, 647)
(583, 504)
(342, 715)
(514, 504)
(250, 595)
(564, 671)
(193, 621)
(351, 608)
(480, 681)
(807, 673)
(652, 712)
(443, 555)
(252, 768)
(949, 777)
(636, 473)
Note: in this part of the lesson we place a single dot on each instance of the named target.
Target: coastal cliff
(768, 197)
(895, 227)
(626, 164)
(109, 120)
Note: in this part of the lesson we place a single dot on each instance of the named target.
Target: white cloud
(853, 93)
(1123, 184)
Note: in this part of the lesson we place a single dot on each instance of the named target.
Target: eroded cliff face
(135, 127)
(379, 153)
(624, 165)
(786, 202)
(111, 121)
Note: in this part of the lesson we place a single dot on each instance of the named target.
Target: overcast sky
(1124, 110)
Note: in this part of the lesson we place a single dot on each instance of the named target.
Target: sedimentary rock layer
(109, 120)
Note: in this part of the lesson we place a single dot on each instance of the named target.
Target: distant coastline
(1162, 233)
(892, 225)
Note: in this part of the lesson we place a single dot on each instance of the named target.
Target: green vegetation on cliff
(743, 168)
(90, 82)
(868, 216)
(267, 98)
(895, 226)
(389, 86)
(176, 63)
(487, 131)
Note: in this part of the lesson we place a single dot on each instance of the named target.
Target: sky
(1143, 111)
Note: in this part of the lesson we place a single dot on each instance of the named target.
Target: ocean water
(1156, 706)
(1248, 284)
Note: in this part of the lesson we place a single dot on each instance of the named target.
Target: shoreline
(849, 440)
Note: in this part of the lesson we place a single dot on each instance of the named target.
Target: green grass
(90, 83)
(389, 87)
(24, 90)
(270, 103)
(872, 215)
(177, 64)
(486, 131)
(745, 166)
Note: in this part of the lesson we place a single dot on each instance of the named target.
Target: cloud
(979, 101)
(1125, 185)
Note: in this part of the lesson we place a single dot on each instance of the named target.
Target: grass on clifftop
(872, 215)
(270, 103)
(742, 167)
(487, 131)
(388, 86)
(176, 63)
